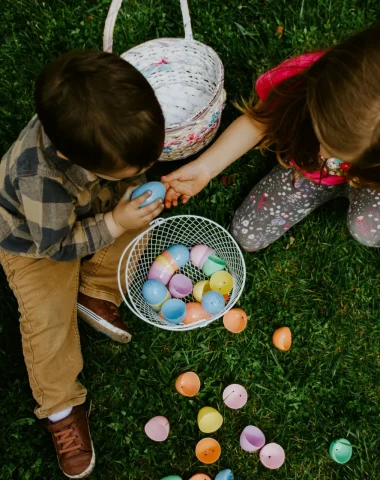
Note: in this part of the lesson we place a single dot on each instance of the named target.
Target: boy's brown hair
(336, 102)
(100, 112)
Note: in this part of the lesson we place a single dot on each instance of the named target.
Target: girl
(322, 113)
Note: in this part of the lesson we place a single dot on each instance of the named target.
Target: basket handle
(111, 20)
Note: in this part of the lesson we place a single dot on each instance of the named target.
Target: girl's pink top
(334, 172)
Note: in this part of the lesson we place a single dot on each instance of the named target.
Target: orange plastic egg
(188, 384)
(282, 338)
(195, 312)
(235, 320)
(200, 476)
(208, 450)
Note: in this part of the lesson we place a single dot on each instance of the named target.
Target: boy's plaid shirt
(50, 207)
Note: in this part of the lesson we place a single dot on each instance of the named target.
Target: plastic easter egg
(199, 254)
(252, 439)
(172, 477)
(200, 476)
(235, 320)
(282, 338)
(222, 282)
(225, 475)
(157, 428)
(208, 450)
(209, 420)
(173, 264)
(188, 384)
(180, 286)
(167, 262)
(157, 188)
(213, 302)
(213, 264)
(174, 311)
(340, 450)
(235, 396)
(155, 294)
(159, 272)
(200, 289)
(180, 253)
(195, 313)
(272, 456)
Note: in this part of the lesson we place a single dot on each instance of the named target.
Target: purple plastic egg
(180, 286)
(199, 254)
(252, 439)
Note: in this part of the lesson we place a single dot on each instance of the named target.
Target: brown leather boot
(73, 444)
(104, 317)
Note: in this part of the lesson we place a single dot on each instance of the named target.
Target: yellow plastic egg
(222, 282)
(200, 289)
(282, 338)
(209, 420)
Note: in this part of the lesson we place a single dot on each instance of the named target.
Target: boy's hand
(129, 216)
(185, 182)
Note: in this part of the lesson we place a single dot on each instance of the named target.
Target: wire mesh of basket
(188, 230)
(187, 77)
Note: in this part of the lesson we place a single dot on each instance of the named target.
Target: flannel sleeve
(50, 215)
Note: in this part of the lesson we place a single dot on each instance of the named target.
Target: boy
(64, 222)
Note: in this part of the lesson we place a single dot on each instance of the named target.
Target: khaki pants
(47, 292)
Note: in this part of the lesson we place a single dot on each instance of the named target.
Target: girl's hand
(185, 182)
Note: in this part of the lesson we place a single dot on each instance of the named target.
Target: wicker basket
(187, 77)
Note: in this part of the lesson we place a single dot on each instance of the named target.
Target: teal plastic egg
(172, 477)
(213, 264)
(340, 450)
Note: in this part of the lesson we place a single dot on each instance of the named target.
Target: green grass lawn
(323, 285)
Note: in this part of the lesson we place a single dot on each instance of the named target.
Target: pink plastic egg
(272, 456)
(199, 254)
(235, 396)
(157, 428)
(160, 272)
(180, 286)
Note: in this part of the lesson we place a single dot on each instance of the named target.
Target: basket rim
(218, 89)
(180, 327)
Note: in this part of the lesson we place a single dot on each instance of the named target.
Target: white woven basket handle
(111, 20)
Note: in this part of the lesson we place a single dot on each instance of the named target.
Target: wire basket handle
(111, 20)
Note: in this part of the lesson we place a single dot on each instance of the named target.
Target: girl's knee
(364, 231)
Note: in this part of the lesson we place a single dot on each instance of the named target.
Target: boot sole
(101, 325)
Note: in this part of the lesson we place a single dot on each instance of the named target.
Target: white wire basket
(188, 230)
(187, 77)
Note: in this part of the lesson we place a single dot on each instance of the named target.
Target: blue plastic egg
(225, 475)
(174, 311)
(213, 302)
(155, 293)
(157, 188)
(180, 253)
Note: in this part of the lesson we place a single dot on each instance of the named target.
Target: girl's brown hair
(336, 102)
